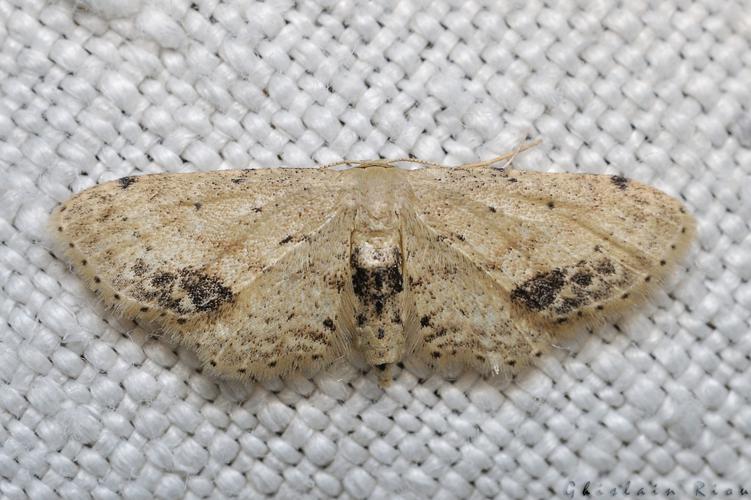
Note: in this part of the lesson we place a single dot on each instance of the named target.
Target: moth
(272, 271)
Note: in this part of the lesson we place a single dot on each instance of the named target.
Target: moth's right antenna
(509, 157)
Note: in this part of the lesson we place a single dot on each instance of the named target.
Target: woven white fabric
(91, 406)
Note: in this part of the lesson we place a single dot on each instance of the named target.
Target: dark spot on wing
(568, 304)
(424, 321)
(207, 293)
(551, 205)
(198, 205)
(582, 278)
(286, 240)
(328, 323)
(492, 209)
(440, 332)
(539, 292)
(125, 182)
(604, 266)
(163, 279)
(188, 290)
(139, 268)
(620, 182)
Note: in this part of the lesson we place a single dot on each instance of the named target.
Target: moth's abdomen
(377, 281)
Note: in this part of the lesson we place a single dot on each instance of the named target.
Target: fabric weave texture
(94, 406)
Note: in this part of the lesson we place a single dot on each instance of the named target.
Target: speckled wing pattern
(460, 314)
(272, 271)
(508, 258)
(205, 252)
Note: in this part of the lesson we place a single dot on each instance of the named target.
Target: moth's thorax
(376, 266)
(380, 194)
